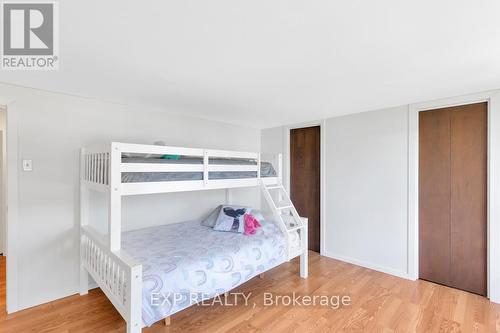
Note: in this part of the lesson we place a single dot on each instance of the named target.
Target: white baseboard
(92, 285)
(375, 267)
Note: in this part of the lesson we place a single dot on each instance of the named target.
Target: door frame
(286, 171)
(11, 203)
(493, 183)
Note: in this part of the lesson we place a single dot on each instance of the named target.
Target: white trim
(115, 198)
(3, 202)
(206, 161)
(229, 196)
(493, 99)
(158, 150)
(231, 154)
(258, 166)
(11, 221)
(304, 256)
(84, 221)
(190, 185)
(286, 169)
(368, 265)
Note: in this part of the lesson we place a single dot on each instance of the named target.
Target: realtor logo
(30, 36)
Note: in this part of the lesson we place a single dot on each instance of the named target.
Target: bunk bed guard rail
(101, 168)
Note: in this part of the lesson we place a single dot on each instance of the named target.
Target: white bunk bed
(103, 168)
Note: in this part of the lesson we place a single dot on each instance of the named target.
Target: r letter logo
(30, 36)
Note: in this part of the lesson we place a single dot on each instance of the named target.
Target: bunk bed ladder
(286, 215)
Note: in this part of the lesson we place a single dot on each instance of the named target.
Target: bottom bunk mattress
(186, 262)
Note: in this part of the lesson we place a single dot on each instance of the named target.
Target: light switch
(27, 165)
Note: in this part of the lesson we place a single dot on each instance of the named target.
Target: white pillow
(212, 218)
(231, 218)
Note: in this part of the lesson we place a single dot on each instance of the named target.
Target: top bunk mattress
(266, 170)
(185, 259)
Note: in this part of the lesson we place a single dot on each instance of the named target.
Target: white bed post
(280, 168)
(304, 262)
(258, 166)
(206, 161)
(134, 288)
(84, 220)
(115, 198)
(134, 321)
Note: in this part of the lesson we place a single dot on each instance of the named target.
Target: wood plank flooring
(380, 303)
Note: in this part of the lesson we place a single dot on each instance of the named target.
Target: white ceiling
(264, 63)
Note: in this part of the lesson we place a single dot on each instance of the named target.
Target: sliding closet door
(452, 194)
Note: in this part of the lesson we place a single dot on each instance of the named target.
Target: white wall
(50, 130)
(366, 189)
(371, 206)
(366, 156)
(272, 140)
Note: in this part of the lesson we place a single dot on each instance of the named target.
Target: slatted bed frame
(117, 274)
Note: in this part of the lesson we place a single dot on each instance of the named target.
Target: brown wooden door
(452, 197)
(305, 178)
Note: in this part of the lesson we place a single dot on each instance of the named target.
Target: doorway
(3, 213)
(305, 178)
(453, 196)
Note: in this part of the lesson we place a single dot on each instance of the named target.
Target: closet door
(434, 196)
(468, 198)
(305, 164)
(452, 195)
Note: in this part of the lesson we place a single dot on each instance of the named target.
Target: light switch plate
(27, 165)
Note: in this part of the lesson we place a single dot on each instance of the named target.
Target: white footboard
(118, 276)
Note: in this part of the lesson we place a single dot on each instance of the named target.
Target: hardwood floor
(379, 303)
